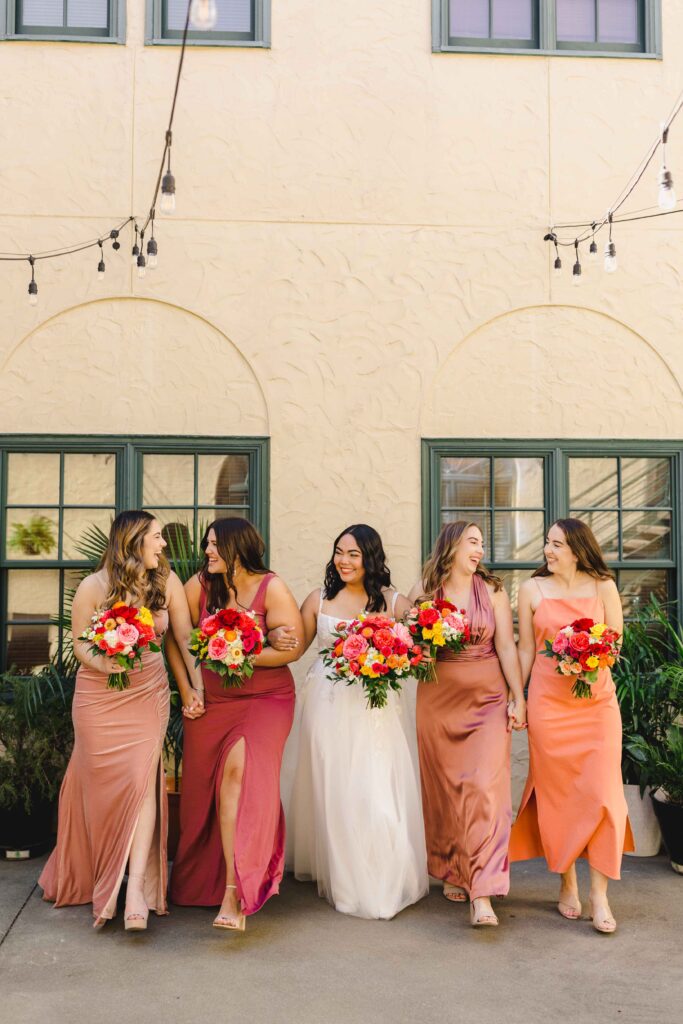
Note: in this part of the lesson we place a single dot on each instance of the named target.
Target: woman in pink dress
(463, 728)
(112, 805)
(232, 829)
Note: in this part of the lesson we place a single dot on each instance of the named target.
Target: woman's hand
(283, 638)
(516, 715)
(193, 703)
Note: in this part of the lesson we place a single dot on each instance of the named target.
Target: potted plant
(662, 766)
(37, 537)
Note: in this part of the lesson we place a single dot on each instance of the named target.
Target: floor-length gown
(355, 813)
(118, 740)
(260, 712)
(464, 750)
(573, 803)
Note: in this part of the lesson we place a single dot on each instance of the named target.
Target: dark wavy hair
(377, 575)
(235, 539)
(583, 544)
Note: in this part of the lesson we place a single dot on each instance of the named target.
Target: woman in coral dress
(463, 728)
(573, 804)
(112, 805)
(232, 829)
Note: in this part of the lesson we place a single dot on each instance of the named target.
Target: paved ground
(301, 963)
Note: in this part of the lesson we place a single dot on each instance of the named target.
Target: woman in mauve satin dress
(573, 804)
(232, 828)
(112, 804)
(463, 728)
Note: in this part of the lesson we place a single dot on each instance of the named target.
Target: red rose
(582, 625)
(444, 606)
(579, 643)
(248, 642)
(210, 625)
(427, 617)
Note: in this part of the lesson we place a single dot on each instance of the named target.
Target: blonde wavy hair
(124, 565)
(437, 568)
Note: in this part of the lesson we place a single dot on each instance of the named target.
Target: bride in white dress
(355, 818)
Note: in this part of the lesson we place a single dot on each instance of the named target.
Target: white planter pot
(646, 834)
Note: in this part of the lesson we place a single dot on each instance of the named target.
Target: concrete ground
(300, 962)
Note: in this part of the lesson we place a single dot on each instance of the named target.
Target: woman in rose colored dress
(112, 805)
(573, 804)
(232, 829)
(463, 728)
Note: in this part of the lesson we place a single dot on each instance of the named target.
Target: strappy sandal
(136, 922)
(231, 922)
(486, 920)
(604, 924)
(570, 911)
(454, 893)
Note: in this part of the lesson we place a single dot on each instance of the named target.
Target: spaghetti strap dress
(260, 712)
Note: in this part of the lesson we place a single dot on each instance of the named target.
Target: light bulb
(203, 15)
(557, 266)
(167, 203)
(593, 252)
(33, 293)
(152, 251)
(667, 195)
(134, 253)
(142, 266)
(610, 258)
(100, 271)
(576, 274)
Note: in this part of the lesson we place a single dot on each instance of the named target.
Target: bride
(355, 816)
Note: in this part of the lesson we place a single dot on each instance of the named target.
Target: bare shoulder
(277, 589)
(607, 588)
(93, 586)
(193, 586)
(526, 589)
(498, 597)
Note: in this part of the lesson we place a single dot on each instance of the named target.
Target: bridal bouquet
(227, 643)
(438, 624)
(375, 651)
(121, 632)
(581, 650)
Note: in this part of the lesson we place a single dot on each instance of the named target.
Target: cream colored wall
(357, 257)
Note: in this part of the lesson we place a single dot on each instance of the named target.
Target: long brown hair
(236, 539)
(584, 546)
(437, 568)
(124, 565)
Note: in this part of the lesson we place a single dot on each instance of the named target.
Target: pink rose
(354, 646)
(403, 634)
(127, 634)
(218, 648)
(249, 642)
(210, 625)
(560, 643)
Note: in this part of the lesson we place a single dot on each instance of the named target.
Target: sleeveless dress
(118, 737)
(573, 803)
(355, 812)
(464, 750)
(261, 713)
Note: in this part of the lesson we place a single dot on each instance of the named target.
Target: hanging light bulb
(114, 235)
(203, 15)
(610, 250)
(667, 195)
(167, 202)
(100, 266)
(557, 267)
(152, 251)
(593, 247)
(135, 251)
(576, 269)
(142, 266)
(32, 286)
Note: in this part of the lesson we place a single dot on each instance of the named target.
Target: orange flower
(392, 661)
(367, 632)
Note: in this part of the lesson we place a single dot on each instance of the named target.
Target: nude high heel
(236, 923)
(136, 922)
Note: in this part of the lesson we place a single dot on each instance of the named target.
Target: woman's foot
(602, 918)
(230, 915)
(569, 904)
(136, 913)
(481, 913)
(454, 893)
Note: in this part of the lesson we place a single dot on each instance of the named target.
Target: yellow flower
(439, 640)
(598, 629)
(427, 634)
(425, 604)
(145, 616)
(592, 662)
(110, 624)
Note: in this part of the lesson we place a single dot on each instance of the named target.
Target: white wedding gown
(356, 815)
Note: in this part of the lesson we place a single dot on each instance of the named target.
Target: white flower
(111, 638)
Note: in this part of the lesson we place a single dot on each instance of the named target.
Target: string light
(203, 14)
(557, 265)
(135, 251)
(100, 266)
(32, 287)
(593, 248)
(576, 269)
(152, 249)
(667, 197)
(141, 262)
(610, 250)
(167, 203)
(114, 235)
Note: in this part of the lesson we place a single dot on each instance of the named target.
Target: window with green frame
(54, 489)
(580, 27)
(239, 23)
(628, 492)
(74, 20)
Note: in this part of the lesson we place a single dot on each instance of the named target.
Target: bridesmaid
(573, 804)
(463, 728)
(112, 805)
(232, 829)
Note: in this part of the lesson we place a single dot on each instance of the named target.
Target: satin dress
(573, 803)
(464, 751)
(118, 737)
(261, 713)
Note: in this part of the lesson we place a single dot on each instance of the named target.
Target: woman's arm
(193, 700)
(506, 650)
(415, 592)
(181, 624)
(283, 638)
(402, 605)
(281, 610)
(88, 599)
(614, 613)
(526, 646)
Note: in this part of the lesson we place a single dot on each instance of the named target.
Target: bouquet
(436, 624)
(581, 650)
(227, 643)
(121, 632)
(375, 651)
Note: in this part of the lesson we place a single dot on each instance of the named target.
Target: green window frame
(12, 27)
(157, 32)
(125, 488)
(544, 41)
(613, 504)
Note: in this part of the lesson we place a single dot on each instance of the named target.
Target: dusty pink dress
(261, 712)
(118, 740)
(465, 760)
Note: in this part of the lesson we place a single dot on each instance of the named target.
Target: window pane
(89, 479)
(168, 480)
(32, 594)
(512, 19)
(42, 12)
(605, 526)
(470, 18)
(173, 521)
(31, 647)
(576, 21)
(76, 521)
(646, 535)
(31, 534)
(88, 14)
(519, 536)
(32, 479)
(518, 483)
(645, 482)
(465, 482)
(482, 519)
(637, 587)
(618, 21)
(513, 579)
(207, 515)
(593, 483)
(223, 479)
(233, 15)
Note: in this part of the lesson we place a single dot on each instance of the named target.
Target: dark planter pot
(25, 835)
(670, 818)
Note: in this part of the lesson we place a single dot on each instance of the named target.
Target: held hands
(281, 640)
(516, 715)
(193, 703)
